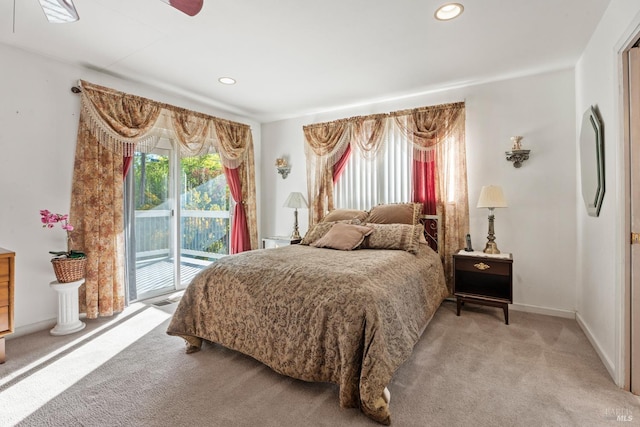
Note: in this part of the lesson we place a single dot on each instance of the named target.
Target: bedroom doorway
(177, 219)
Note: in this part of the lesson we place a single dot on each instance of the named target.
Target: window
(383, 178)
(427, 165)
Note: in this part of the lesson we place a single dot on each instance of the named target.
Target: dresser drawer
(4, 319)
(4, 294)
(4, 269)
(486, 266)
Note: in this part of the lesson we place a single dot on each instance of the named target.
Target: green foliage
(198, 170)
(200, 185)
(70, 254)
(203, 187)
(151, 180)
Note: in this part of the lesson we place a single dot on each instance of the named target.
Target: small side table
(68, 312)
(277, 241)
(484, 279)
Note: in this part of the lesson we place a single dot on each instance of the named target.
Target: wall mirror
(592, 161)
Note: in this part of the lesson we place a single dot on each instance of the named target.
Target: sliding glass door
(205, 204)
(177, 216)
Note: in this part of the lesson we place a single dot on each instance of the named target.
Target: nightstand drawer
(481, 265)
(7, 267)
(4, 269)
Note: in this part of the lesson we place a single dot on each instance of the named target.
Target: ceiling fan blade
(59, 11)
(190, 7)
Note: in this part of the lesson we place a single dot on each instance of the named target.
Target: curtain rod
(76, 89)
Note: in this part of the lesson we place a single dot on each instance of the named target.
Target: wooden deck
(156, 277)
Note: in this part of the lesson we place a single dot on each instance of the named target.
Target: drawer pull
(481, 266)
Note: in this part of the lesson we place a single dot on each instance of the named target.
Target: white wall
(537, 227)
(602, 241)
(38, 125)
(545, 225)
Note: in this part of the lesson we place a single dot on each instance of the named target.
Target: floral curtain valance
(328, 140)
(120, 122)
(425, 128)
(113, 125)
(125, 123)
(368, 134)
(439, 172)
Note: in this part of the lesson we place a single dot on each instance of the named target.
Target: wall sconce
(283, 167)
(517, 155)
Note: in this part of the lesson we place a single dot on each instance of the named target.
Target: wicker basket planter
(69, 269)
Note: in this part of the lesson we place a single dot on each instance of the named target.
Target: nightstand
(484, 279)
(277, 241)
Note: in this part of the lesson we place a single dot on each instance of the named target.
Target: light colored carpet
(471, 370)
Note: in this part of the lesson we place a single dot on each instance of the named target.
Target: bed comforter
(345, 317)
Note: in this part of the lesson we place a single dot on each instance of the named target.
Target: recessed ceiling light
(449, 11)
(227, 80)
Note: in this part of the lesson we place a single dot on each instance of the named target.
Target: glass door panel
(205, 204)
(177, 217)
(154, 224)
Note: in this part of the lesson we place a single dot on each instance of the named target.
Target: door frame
(169, 148)
(630, 353)
(166, 148)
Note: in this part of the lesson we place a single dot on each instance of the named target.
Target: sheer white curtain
(384, 177)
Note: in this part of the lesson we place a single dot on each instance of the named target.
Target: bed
(349, 317)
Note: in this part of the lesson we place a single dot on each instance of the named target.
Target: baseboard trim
(31, 328)
(37, 327)
(567, 314)
(608, 364)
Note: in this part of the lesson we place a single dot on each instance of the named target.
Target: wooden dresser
(7, 268)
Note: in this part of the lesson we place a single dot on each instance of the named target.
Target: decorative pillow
(315, 232)
(345, 214)
(344, 237)
(321, 228)
(395, 213)
(404, 237)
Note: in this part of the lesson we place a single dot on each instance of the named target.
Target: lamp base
(296, 233)
(491, 248)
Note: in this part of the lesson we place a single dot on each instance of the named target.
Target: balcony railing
(204, 235)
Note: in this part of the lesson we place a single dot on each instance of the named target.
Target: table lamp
(295, 201)
(491, 197)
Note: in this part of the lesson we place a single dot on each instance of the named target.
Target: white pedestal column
(68, 316)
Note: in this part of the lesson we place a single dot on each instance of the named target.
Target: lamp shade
(295, 200)
(491, 196)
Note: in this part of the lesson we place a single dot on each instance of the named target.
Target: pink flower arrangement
(49, 220)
